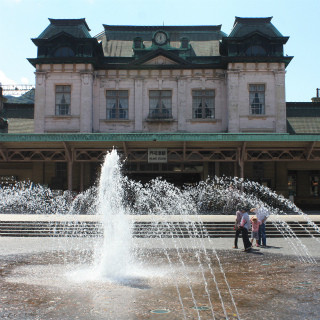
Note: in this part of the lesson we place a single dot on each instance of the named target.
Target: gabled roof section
(77, 28)
(122, 32)
(118, 40)
(243, 27)
(154, 57)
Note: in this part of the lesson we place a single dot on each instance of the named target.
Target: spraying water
(114, 257)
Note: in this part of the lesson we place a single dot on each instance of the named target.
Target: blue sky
(22, 20)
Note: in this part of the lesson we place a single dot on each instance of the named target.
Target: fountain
(164, 275)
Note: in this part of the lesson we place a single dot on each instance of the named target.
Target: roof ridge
(253, 19)
(68, 22)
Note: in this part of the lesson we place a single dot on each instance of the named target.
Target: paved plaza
(46, 278)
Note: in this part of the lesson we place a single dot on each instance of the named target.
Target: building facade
(182, 102)
(160, 78)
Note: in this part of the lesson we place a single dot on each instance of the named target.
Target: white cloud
(5, 80)
(25, 80)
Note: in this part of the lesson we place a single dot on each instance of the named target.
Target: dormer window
(138, 43)
(184, 43)
(256, 50)
(64, 52)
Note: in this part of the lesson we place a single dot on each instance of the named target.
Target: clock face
(160, 38)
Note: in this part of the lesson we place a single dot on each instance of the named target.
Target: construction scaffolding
(15, 89)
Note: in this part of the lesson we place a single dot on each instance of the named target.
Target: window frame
(117, 107)
(258, 107)
(58, 105)
(204, 98)
(160, 99)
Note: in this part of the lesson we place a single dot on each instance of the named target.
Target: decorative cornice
(83, 137)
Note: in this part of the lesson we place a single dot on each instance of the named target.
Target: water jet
(120, 276)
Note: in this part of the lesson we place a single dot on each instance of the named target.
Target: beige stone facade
(231, 87)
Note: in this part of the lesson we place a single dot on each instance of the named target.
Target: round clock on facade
(160, 38)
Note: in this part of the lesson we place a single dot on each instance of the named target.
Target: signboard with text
(157, 155)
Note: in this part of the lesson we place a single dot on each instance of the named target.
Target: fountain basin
(38, 280)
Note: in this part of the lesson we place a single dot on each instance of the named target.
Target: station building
(181, 102)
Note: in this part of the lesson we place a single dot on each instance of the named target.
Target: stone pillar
(217, 168)
(280, 99)
(181, 104)
(81, 176)
(138, 104)
(70, 176)
(38, 172)
(233, 101)
(281, 178)
(205, 170)
(86, 102)
(40, 102)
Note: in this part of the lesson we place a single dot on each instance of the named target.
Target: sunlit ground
(52, 279)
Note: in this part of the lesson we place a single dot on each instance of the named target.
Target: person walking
(237, 228)
(245, 226)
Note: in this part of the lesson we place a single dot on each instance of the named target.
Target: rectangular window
(117, 104)
(160, 104)
(256, 98)
(63, 99)
(203, 104)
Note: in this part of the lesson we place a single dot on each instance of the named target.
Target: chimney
(317, 98)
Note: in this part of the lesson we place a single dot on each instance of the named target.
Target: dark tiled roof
(303, 117)
(304, 125)
(118, 40)
(245, 26)
(193, 33)
(78, 28)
